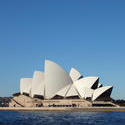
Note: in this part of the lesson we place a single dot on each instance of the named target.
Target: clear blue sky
(88, 35)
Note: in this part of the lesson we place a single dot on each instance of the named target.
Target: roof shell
(56, 78)
(86, 82)
(37, 84)
(84, 86)
(72, 91)
(99, 91)
(25, 85)
(63, 91)
(74, 74)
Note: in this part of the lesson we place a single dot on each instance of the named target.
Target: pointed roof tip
(74, 70)
(56, 64)
(75, 74)
(47, 60)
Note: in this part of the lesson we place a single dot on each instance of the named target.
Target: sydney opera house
(55, 86)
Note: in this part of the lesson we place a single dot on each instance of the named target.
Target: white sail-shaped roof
(84, 86)
(74, 74)
(100, 91)
(55, 78)
(86, 82)
(63, 91)
(72, 92)
(56, 82)
(25, 85)
(86, 93)
(37, 84)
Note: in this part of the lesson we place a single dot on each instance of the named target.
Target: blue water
(62, 118)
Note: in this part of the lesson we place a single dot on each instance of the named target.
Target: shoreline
(86, 109)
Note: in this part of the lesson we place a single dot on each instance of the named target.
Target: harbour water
(61, 118)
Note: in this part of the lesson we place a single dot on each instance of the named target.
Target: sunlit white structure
(56, 83)
(37, 87)
(55, 79)
(25, 85)
(102, 93)
(74, 74)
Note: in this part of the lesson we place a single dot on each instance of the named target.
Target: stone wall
(26, 101)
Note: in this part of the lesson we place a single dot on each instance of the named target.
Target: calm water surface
(62, 118)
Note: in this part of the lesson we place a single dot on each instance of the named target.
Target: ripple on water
(62, 118)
